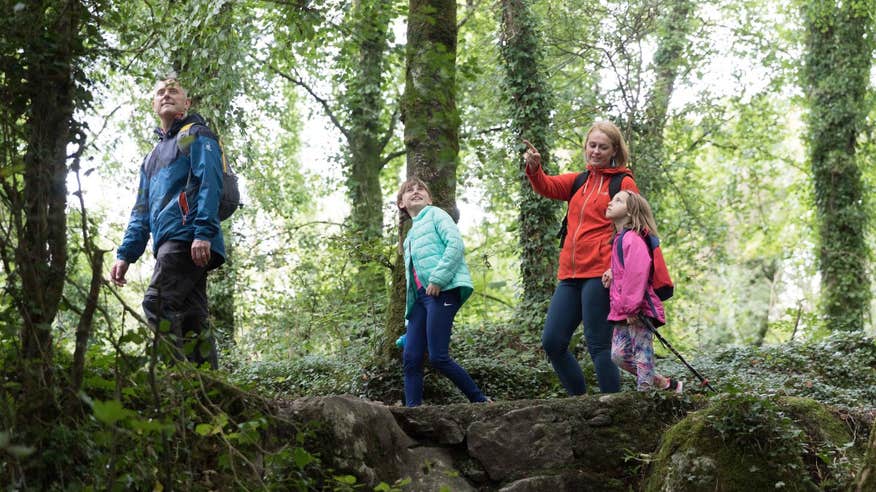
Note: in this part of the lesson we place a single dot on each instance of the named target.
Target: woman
(585, 256)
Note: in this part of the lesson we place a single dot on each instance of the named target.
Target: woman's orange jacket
(586, 252)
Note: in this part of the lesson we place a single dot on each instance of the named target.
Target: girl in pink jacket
(631, 294)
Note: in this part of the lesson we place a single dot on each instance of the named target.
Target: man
(177, 202)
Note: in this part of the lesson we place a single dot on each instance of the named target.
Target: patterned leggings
(632, 349)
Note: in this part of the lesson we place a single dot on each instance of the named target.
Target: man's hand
(433, 290)
(201, 252)
(117, 274)
(606, 278)
(531, 157)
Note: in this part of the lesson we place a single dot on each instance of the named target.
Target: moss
(740, 442)
(828, 446)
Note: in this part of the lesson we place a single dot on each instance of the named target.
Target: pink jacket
(627, 291)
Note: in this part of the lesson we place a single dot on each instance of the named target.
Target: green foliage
(306, 376)
(738, 217)
(195, 431)
(839, 370)
(836, 78)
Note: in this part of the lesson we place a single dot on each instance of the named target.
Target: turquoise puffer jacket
(434, 248)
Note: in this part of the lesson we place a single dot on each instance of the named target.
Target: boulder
(363, 439)
(625, 441)
(580, 443)
(746, 442)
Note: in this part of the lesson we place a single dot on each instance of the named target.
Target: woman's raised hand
(531, 156)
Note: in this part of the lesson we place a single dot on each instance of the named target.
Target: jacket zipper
(580, 219)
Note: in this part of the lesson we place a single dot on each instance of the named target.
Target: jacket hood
(193, 118)
(608, 170)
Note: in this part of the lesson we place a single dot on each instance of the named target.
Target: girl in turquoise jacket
(438, 283)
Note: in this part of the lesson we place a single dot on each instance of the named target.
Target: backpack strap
(580, 179)
(619, 243)
(614, 185)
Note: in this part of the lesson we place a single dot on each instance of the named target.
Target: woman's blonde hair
(641, 216)
(622, 156)
(413, 180)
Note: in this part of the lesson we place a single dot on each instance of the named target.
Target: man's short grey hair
(172, 79)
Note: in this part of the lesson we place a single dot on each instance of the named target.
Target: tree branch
(470, 11)
(494, 298)
(391, 156)
(322, 102)
(389, 131)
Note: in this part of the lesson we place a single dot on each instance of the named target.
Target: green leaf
(205, 429)
(109, 411)
(345, 479)
(302, 458)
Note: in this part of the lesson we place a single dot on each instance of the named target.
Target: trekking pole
(703, 381)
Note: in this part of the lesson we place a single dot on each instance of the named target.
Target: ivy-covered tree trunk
(431, 125)
(836, 75)
(367, 136)
(48, 32)
(646, 137)
(529, 105)
(360, 114)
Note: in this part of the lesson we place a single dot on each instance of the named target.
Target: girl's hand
(433, 290)
(606, 278)
(531, 157)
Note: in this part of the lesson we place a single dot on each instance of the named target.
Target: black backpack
(229, 202)
(614, 186)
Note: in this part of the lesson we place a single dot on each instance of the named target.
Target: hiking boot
(675, 385)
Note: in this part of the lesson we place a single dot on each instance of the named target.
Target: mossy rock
(746, 442)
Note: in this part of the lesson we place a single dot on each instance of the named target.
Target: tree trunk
(771, 272)
(367, 140)
(646, 135)
(530, 107)
(41, 254)
(86, 319)
(836, 72)
(431, 124)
